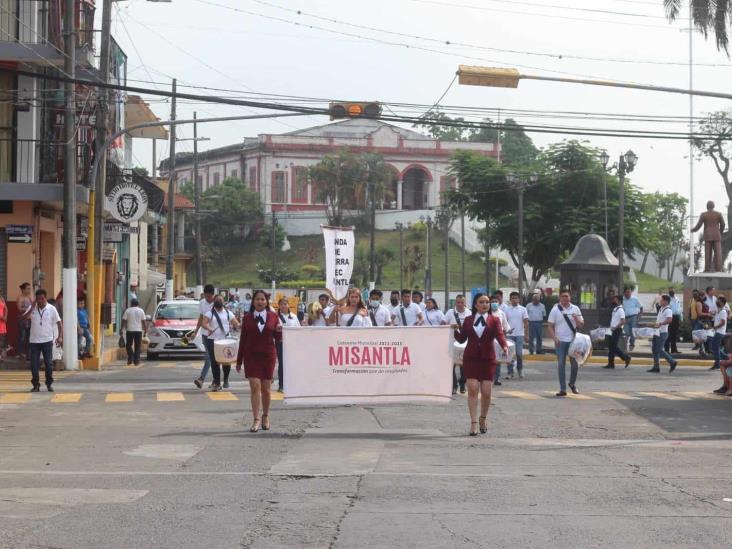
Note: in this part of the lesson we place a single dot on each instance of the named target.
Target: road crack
(351, 504)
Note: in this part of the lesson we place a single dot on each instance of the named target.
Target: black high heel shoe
(483, 426)
(265, 426)
(473, 433)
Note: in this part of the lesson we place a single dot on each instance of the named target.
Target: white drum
(457, 352)
(581, 348)
(501, 357)
(700, 336)
(646, 332)
(598, 334)
(225, 350)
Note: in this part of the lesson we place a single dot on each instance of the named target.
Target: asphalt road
(141, 458)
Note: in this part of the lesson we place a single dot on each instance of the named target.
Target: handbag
(122, 343)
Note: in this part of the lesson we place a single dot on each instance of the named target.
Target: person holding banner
(378, 313)
(433, 316)
(353, 314)
(479, 360)
(288, 319)
(318, 316)
(260, 331)
(457, 316)
(408, 313)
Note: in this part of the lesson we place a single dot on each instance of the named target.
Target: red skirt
(259, 365)
(482, 369)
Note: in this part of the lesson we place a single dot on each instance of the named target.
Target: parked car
(170, 324)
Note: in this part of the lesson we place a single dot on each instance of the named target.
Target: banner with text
(326, 365)
(340, 243)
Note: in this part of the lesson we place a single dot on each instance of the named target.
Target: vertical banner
(362, 365)
(340, 243)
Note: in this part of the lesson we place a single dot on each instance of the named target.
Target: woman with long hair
(353, 314)
(433, 316)
(479, 358)
(261, 329)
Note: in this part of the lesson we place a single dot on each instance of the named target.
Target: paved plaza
(137, 457)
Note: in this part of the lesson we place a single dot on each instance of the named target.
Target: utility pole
(98, 194)
(169, 263)
(462, 251)
(521, 188)
(428, 270)
(622, 167)
(446, 228)
(372, 236)
(400, 227)
(197, 199)
(69, 277)
(274, 248)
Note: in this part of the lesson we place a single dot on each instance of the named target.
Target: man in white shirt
(380, 315)
(720, 329)
(710, 299)
(133, 320)
(44, 318)
(393, 305)
(204, 307)
(325, 310)
(454, 317)
(501, 305)
(617, 321)
(564, 321)
(408, 313)
(663, 319)
(537, 313)
(518, 320)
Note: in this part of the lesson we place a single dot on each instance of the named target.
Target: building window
(279, 187)
(217, 177)
(253, 178)
(7, 87)
(299, 185)
(234, 173)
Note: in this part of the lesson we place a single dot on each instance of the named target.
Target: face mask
(672, 294)
(494, 306)
(374, 303)
(394, 301)
(218, 305)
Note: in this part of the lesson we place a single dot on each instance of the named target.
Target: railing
(39, 22)
(40, 161)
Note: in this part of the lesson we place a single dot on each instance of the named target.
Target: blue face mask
(494, 306)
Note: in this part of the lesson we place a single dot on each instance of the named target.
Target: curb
(639, 361)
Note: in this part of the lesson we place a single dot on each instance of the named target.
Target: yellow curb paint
(616, 396)
(65, 398)
(119, 397)
(222, 395)
(520, 394)
(664, 396)
(702, 394)
(170, 397)
(15, 398)
(572, 395)
(276, 395)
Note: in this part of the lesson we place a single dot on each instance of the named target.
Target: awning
(138, 112)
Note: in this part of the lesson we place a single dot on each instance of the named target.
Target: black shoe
(720, 391)
(49, 388)
(654, 370)
(562, 394)
(462, 390)
(454, 390)
(226, 384)
(627, 362)
(497, 382)
(198, 382)
(37, 389)
(673, 366)
(715, 367)
(574, 388)
(609, 366)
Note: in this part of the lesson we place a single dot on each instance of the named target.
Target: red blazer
(481, 347)
(252, 341)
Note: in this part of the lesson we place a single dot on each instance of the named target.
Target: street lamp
(444, 219)
(428, 269)
(400, 227)
(626, 164)
(519, 182)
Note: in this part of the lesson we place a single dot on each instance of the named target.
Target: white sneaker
(521, 375)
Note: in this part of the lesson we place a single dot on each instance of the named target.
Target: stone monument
(713, 223)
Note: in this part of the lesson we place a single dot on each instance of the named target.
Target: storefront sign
(119, 228)
(349, 366)
(127, 202)
(81, 244)
(20, 234)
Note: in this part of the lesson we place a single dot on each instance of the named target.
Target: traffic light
(354, 109)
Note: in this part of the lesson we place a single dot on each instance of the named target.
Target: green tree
(141, 171)
(666, 215)
(382, 257)
(707, 15)
(564, 205)
(265, 236)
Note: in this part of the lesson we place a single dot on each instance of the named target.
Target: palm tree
(707, 15)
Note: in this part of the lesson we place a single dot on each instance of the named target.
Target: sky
(253, 46)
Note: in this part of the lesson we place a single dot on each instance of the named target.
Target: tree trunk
(645, 260)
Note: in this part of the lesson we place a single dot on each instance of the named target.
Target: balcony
(40, 161)
(30, 32)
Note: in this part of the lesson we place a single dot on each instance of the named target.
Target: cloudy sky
(398, 51)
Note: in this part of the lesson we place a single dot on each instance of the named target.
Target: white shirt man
(379, 314)
(618, 317)
(408, 313)
(663, 318)
(720, 321)
(561, 316)
(458, 314)
(44, 321)
(135, 319)
(516, 315)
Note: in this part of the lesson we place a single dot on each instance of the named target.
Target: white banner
(327, 365)
(340, 244)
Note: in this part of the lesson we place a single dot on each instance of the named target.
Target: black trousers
(215, 366)
(36, 350)
(133, 338)
(614, 349)
(673, 334)
(455, 379)
(280, 366)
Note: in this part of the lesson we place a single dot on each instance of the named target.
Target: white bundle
(598, 334)
(501, 357)
(458, 349)
(700, 336)
(581, 348)
(646, 332)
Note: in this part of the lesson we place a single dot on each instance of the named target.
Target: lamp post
(444, 219)
(400, 227)
(428, 270)
(519, 182)
(626, 163)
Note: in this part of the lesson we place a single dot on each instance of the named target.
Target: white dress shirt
(481, 328)
(263, 315)
(43, 324)
(617, 317)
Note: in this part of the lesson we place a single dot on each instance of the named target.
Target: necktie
(480, 321)
(260, 320)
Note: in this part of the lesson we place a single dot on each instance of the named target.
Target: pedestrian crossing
(13, 380)
(172, 397)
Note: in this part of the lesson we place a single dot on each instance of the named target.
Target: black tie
(260, 320)
(480, 321)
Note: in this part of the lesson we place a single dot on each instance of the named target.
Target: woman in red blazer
(479, 359)
(260, 331)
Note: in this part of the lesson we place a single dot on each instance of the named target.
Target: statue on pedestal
(713, 223)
